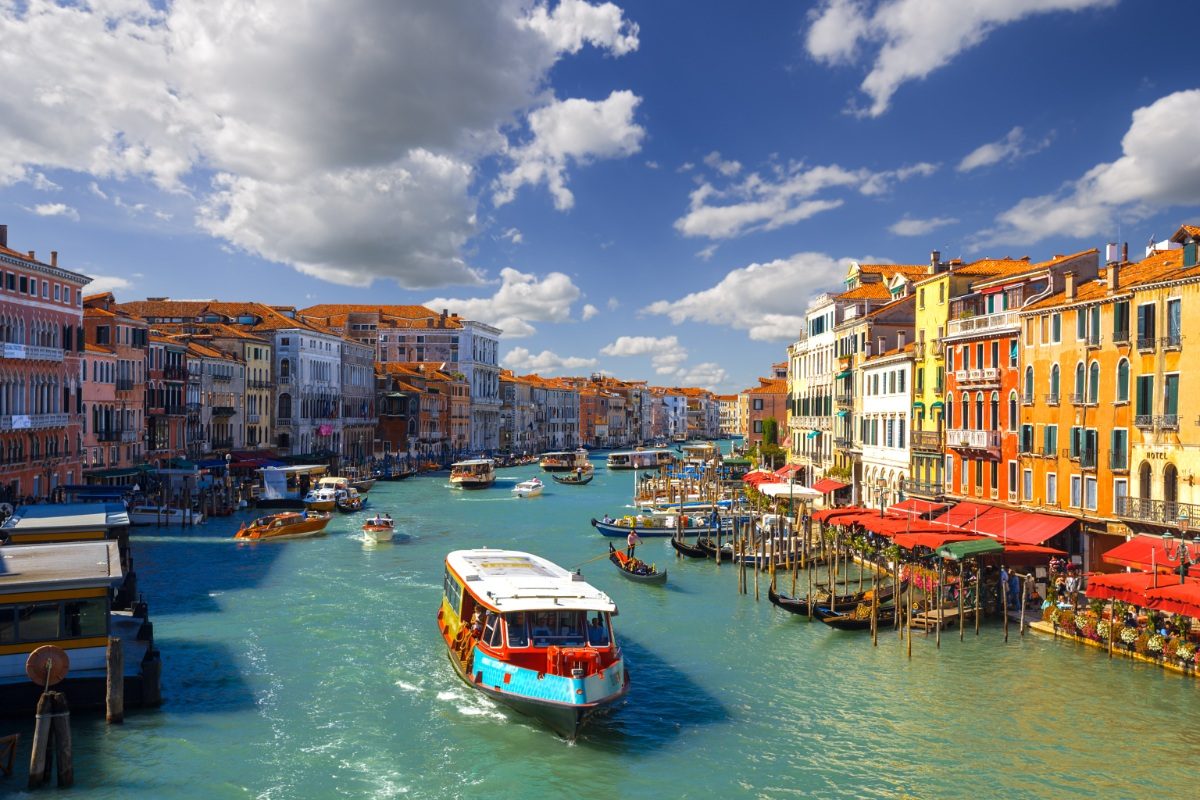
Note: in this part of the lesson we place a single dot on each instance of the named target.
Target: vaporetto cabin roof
(69, 565)
(510, 580)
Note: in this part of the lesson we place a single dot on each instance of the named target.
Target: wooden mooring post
(51, 742)
(114, 687)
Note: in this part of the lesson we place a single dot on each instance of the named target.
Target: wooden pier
(940, 617)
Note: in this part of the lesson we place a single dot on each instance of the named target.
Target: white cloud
(588, 312)
(513, 235)
(909, 226)
(765, 300)
(651, 164)
(726, 168)
(706, 253)
(575, 130)
(785, 197)
(613, 304)
(520, 300)
(686, 166)
(55, 210)
(43, 184)
(1011, 148)
(95, 189)
(185, 96)
(908, 39)
(572, 23)
(521, 360)
(106, 283)
(708, 375)
(666, 353)
(1159, 168)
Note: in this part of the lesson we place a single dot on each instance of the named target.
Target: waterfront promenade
(313, 669)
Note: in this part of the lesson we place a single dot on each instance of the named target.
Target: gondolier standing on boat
(631, 543)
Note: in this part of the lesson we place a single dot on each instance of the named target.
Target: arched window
(285, 406)
(285, 368)
(1144, 480)
(1123, 381)
(979, 411)
(965, 418)
(995, 426)
(1093, 387)
(949, 411)
(1077, 391)
(1170, 486)
(1029, 384)
(1012, 410)
(1054, 383)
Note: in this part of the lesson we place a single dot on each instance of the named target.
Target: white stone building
(884, 428)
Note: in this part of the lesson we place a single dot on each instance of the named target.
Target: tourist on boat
(607, 518)
(597, 633)
(631, 543)
(477, 622)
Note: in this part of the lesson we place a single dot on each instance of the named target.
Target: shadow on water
(662, 703)
(201, 678)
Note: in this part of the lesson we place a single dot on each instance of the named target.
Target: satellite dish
(47, 665)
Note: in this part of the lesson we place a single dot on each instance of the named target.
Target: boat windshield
(557, 628)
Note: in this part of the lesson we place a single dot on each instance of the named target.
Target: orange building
(766, 401)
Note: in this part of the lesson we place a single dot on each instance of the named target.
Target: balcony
(176, 411)
(32, 422)
(29, 352)
(1004, 320)
(1120, 337)
(1118, 461)
(1087, 459)
(1146, 343)
(108, 436)
(1092, 340)
(222, 444)
(1157, 422)
(810, 423)
(845, 399)
(1052, 398)
(1172, 341)
(927, 441)
(964, 439)
(843, 443)
(257, 384)
(124, 384)
(922, 489)
(1169, 513)
(962, 375)
(282, 421)
(223, 411)
(252, 419)
(175, 373)
(221, 377)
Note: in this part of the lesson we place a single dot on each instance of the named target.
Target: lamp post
(1181, 552)
(880, 490)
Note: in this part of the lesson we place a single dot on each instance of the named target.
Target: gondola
(822, 602)
(574, 481)
(689, 550)
(885, 616)
(621, 561)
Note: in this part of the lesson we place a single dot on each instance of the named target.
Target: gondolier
(631, 543)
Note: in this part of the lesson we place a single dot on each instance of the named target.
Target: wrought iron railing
(927, 440)
(1160, 512)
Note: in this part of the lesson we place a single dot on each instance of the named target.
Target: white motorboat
(379, 529)
(163, 515)
(530, 488)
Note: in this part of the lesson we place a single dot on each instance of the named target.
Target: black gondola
(621, 561)
(885, 616)
(822, 602)
(689, 550)
(574, 480)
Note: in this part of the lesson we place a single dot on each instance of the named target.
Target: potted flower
(1127, 635)
(1155, 644)
(1102, 629)
(1185, 651)
(1066, 621)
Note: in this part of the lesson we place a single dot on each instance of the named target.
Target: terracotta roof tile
(911, 271)
(96, 348)
(769, 386)
(866, 291)
(1155, 268)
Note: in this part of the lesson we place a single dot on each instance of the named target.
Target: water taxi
(640, 459)
(564, 460)
(288, 525)
(163, 515)
(656, 525)
(530, 488)
(379, 529)
(475, 473)
(348, 500)
(322, 498)
(530, 634)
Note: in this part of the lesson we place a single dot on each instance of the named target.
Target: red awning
(962, 514)
(787, 471)
(1129, 587)
(1032, 549)
(1022, 527)
(827, 485)
(757, 476)
(916, 507)
(1176, 598)
(930, 539)
(1144, 552)
(830, 514)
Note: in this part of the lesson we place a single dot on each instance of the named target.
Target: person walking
(631, 543)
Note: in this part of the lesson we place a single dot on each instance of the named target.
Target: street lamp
(880, 490)
(1181, 552)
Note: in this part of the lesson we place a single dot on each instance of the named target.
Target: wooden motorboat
(530, 488)
(379, 529)
(348, 500)
(288, 525)
(635, 569)
(575, 479)
(322, 498)
(163, 515)
(527, 633)
(363, 486)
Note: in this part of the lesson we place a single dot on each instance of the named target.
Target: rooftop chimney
(3, 236)
(935, 258)
(54, 258)
(1069, 285)
(901, 339)
(32, 256)
(1110, 252)
(882, 344)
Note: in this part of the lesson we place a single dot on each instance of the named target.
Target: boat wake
(471, 705)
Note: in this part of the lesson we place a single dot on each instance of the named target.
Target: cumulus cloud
(1159, 168)
(55, 210)
(513, 235)
(907, 40)
(1011, 148)
(570, 130)
(521, 299)
(666, 353)
(786, 196)
(726, 168)
(588, 312)
(521, 360)
(708, 375)
(765, 300)
(106, 283)
(186, 97)
(909, 226)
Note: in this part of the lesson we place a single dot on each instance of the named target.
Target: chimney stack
(1069, 285)
(54, 258)
(1125, 252)
(935, 259)
(32, 255)
(901, 339)
(882, 345)
(1110, 252)
(1114, 278)
(3, 236)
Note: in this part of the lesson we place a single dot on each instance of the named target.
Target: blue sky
(652, 189)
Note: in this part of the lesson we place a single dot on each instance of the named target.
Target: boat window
(453, 591)
(557, 627)
(38, 621)
(8, 624)
(598, 631)
(518, 632)
(492, 636)
(86, 617)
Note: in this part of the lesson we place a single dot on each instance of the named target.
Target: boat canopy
(509, 580)
(474, 462)
(67, 565)
(969, 549)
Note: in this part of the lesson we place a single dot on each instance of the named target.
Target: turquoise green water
(314, 669)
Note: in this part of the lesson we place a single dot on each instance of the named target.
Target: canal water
(314, 669)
